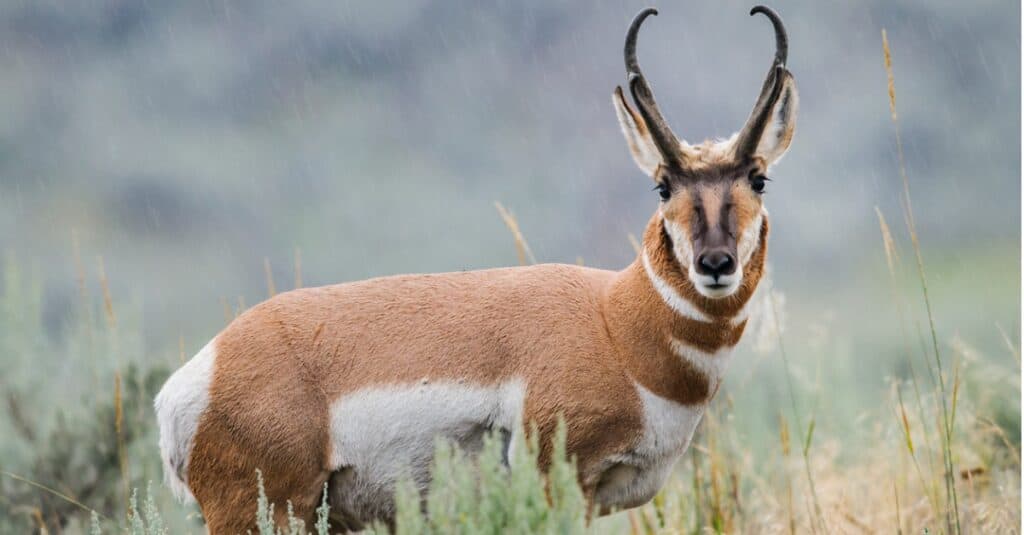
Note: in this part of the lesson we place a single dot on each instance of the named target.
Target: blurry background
(186, 142)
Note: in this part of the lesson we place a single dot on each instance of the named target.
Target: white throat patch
(670, 296)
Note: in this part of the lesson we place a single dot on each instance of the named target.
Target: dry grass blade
(122, 455)
(810, 435)
(19, 420)
(181, 348)
(891, 255)
(996, 429)
(784, 435)
(52, 491)
(108, 302)
(271, 289)
(76, 248)
(37, 515)
(634, 242)
(912, 228)
(906, 423)
(956, 394)
(1009, 343)
(522, 248)
(634, 525)
(226, 308)
(896, 496)
(892, 260)
(818, 520)
(909, 443)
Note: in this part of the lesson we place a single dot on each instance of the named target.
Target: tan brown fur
(577, 336)
(746, 206)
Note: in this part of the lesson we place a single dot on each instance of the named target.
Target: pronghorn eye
(664, 191)
(757, 183)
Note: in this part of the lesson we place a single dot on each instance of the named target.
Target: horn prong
(750, 135)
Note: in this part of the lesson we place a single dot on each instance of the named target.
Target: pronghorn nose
(716, 263)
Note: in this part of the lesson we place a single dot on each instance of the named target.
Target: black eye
(757, 183)
(664, 191)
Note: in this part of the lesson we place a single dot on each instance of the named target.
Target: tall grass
(945, 400)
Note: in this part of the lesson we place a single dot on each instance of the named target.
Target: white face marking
(387, 432)
(633, 478)
(179, 405)
(680, 241)
(706, 284)
(751, 237)
(683, 250)
(670, 296)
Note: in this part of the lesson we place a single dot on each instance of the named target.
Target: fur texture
(350, 383)
(179, 405)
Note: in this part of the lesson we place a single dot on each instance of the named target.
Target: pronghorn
(350, 384)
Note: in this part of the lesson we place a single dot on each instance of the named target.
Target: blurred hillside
(184, 142)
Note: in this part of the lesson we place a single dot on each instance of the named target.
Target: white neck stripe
(711, 364)
(670, 296)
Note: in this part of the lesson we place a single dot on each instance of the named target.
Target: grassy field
(907, 422)
(836, 455)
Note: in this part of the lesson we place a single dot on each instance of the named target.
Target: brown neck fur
(642, 325)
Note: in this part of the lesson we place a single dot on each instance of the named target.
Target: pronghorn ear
(638, 136)
(778, 133)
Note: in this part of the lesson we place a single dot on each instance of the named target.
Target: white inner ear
(641, 145)
(779, 133)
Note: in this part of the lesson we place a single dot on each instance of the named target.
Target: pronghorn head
(711, 193)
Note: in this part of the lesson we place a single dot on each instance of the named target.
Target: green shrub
(485, 496)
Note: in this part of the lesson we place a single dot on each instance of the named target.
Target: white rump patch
(379, 435)
(179, 405)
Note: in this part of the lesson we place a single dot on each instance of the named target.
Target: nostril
(717, 263)
(728, 266)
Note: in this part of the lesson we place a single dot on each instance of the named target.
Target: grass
(936, 450)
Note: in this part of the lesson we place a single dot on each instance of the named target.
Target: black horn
(666, 141)
(750, 135)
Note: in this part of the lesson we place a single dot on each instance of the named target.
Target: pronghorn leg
(235, 439)
(231, 508)
(229, 501)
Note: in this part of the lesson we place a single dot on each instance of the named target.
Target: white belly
(634, 477)
(380, 435)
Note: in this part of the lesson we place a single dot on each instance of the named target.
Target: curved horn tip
(639, 18)
(781, 38)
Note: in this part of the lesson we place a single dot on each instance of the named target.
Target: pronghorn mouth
(714, 288)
